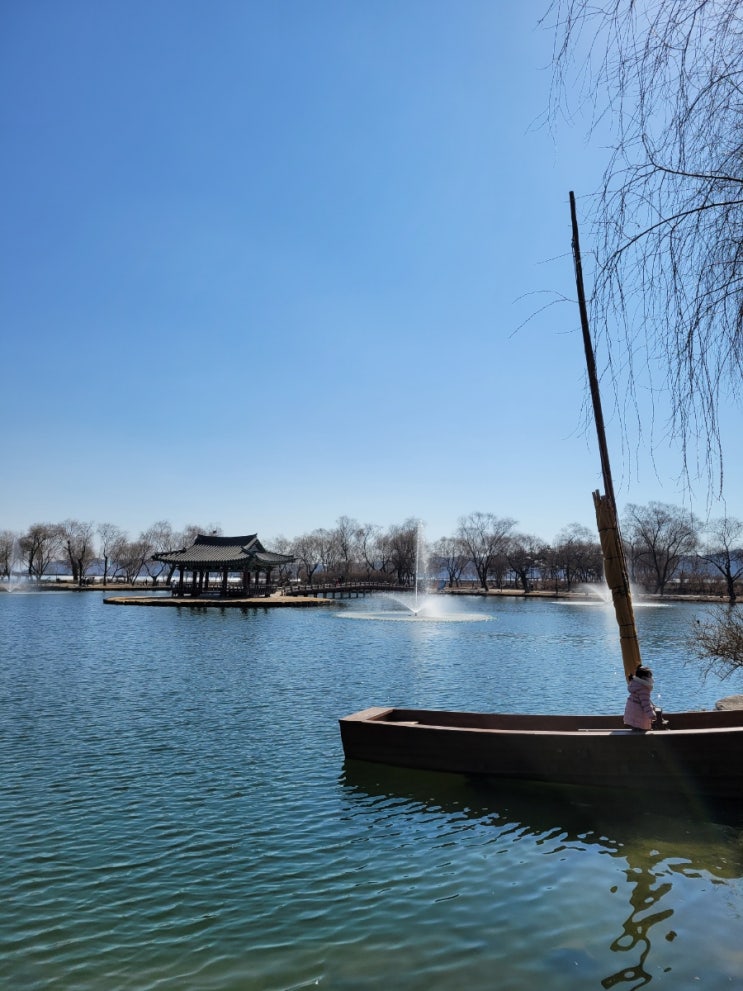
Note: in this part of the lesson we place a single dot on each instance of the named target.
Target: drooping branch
(665, 78)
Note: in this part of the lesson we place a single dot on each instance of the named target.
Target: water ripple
(175, 813)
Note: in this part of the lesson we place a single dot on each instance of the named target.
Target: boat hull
(701, 754)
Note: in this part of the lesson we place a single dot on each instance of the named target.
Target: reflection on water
(655, 850)
(399, 616)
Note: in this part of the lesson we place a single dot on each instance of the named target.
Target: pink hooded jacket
(639, 712)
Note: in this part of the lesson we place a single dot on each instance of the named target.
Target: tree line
(666, 546)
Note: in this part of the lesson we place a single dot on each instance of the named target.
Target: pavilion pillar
(246, 582)
(180, 581)
(194, 580)
(268, 582)
(224, 581)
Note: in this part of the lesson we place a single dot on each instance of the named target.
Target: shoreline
(262, 602)
(584, 596)
(152, 596)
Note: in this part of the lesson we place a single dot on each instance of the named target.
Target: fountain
(414, 606)
(593, 593)
(15, 580)
(599, 594)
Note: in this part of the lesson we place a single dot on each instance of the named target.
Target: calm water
(175, 811)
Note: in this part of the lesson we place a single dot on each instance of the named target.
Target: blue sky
(266, 264)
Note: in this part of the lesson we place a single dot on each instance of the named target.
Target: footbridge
(342, 590)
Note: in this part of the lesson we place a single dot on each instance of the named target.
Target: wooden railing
(343, 589)
(323, 589)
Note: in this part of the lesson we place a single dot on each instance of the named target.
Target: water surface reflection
(175, 812)
(659, 859)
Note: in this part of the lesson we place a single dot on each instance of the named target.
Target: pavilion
(244, 556)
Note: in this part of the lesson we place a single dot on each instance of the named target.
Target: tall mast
(612, 549)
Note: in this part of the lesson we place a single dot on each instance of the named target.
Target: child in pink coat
(639, 711)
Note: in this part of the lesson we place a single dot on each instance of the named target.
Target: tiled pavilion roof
(211, 553)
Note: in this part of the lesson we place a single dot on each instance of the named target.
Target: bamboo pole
(612, 549)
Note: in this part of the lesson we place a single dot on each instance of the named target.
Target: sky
(266, 264)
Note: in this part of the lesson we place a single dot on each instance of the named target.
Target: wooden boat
(700, 754)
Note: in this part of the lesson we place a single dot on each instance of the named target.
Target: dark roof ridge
(214, 541)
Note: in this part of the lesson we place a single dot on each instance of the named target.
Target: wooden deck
(286, 596)
(217, 602)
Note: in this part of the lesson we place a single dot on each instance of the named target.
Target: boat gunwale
(404, 718)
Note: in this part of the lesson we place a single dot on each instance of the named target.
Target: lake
(176, 812)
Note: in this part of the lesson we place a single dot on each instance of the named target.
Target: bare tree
(129, 557)
(346, 539)
(484, 538)
(402, 543)
(327, 547)
(660, 536)
(39, 546)
(724, 551)
(371, 557)
(287, 569)
(109, 535)
(576, 553)
(449, 554)
(8, 552)
(385, 554)
(717, 642)
(159, 539)
(308, 551)
(78, 543)
(667, 77)
(524, 552)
